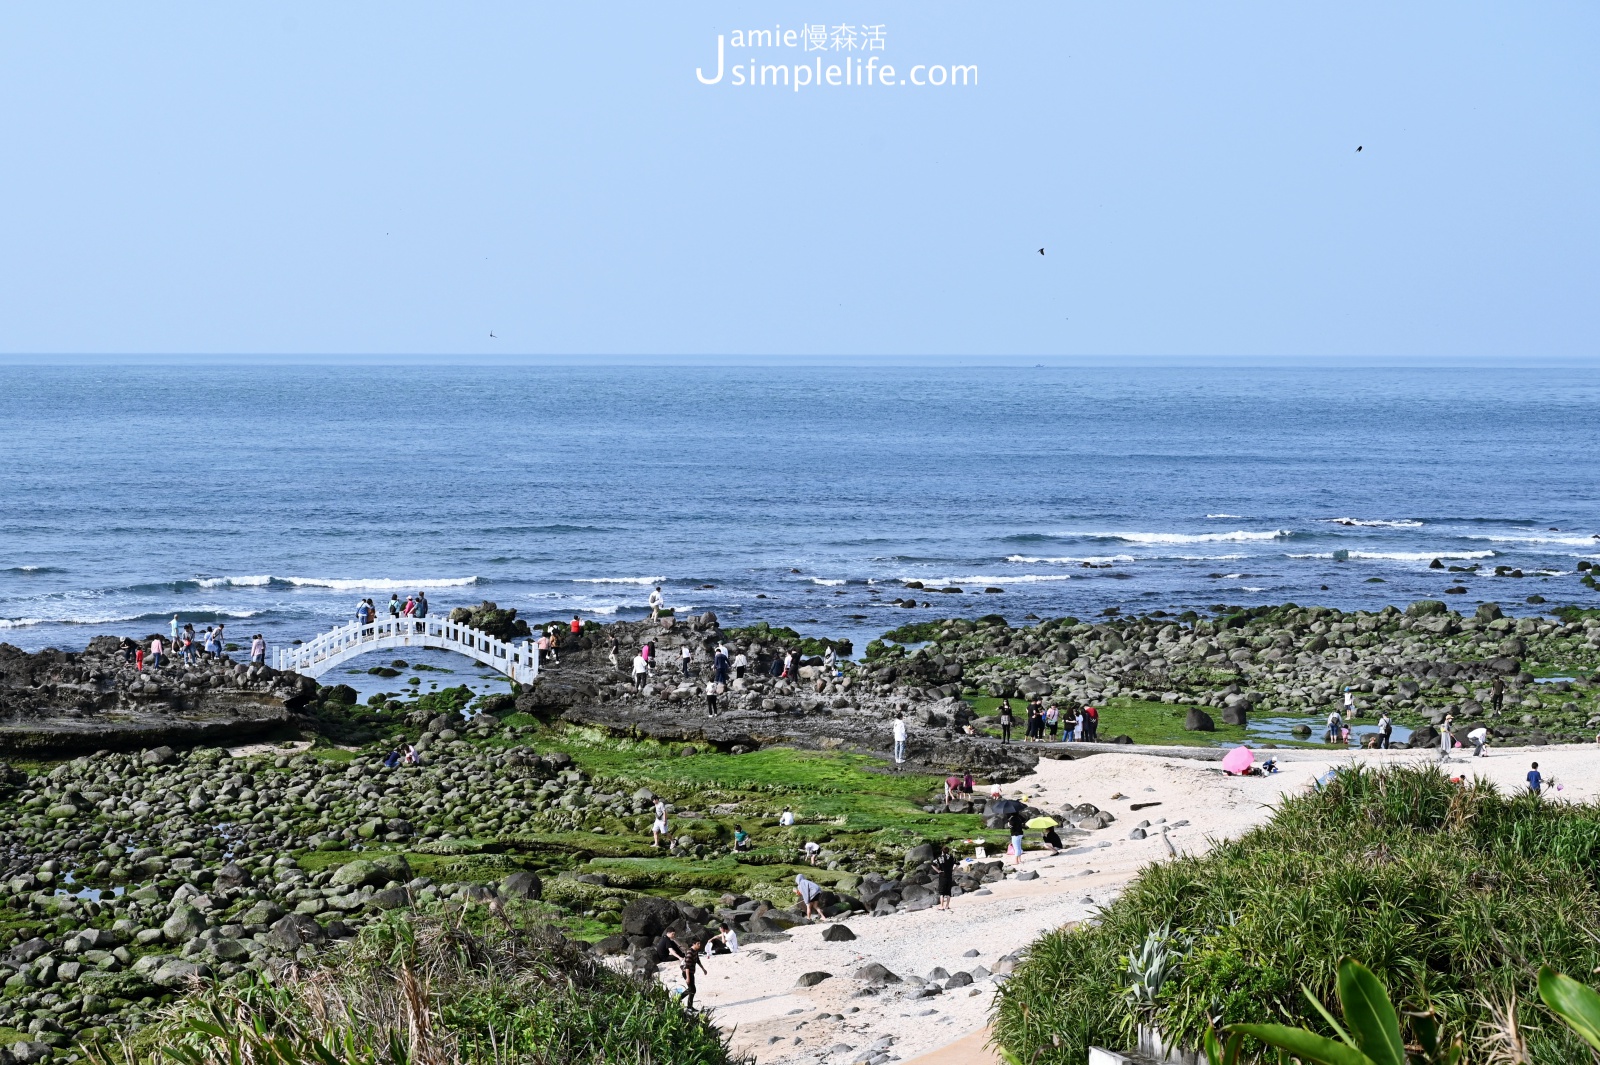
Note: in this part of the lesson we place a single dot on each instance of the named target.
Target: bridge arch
(519, 661)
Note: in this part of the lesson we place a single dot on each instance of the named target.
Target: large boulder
(1236, 714)
(1424, 608)
(184, 924)
(648, 916)
(295, 931)
(374, 872)
(522, 885)
(1197, 720)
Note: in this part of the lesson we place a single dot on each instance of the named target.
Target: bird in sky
(1041, 251)
(1358, 147)
(492, 336)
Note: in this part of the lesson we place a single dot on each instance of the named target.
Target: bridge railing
(520, 661)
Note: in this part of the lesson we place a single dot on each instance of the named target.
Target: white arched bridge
(519, 661)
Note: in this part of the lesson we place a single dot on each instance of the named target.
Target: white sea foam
(618, 580)
(1404, 556)
(1208, 558)
(1234, 516)
(1249, 589)
(829, 581)
(1377, 523)
(115, 619)
(1568, 540)
(1026, 578)
(1184, 538)
(376, 584)
(234, 582)
(1069, 560)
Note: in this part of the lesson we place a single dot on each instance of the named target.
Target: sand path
(754, 995)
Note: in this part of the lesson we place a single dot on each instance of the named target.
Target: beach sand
(754, 995)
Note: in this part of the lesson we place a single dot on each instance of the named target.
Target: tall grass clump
(428, 990)
(1453, 894)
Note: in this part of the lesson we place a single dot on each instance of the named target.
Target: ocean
(272, 497)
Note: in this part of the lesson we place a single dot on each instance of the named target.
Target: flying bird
(492, 336)
(1358, 147)
(1041, 251)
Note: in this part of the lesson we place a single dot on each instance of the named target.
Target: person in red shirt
(577, 626)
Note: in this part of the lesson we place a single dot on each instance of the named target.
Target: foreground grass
(424, 989)
(1452, 893)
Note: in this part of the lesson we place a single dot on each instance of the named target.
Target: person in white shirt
(899, 739)
(786, 818)
(828, 660)
(813, 851)
(740, 664)
(639, 671)
(684, 655)
(1479, 738)
(1349, 704)
(655, 603)
(658, 828)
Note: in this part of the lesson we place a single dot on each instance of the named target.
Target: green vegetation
(809, 646)
(423, 988)
(1452, 893)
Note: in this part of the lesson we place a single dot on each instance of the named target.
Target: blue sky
(401, 178)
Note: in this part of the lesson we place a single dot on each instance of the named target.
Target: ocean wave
(375, 584)
(1236, 517)
(618, 580)
(1187, 538)
(1026, 578)
(201, 614)
(1068, 560)
(234, 582)
(1377, 523)
(1404, 556)
(831, 582)
(29, 571)
(1568, 540)
(1207, 558)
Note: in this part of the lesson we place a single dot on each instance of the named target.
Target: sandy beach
(754, 994)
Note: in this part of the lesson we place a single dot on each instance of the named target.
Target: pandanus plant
(1371, 1032)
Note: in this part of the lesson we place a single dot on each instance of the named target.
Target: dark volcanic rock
(55, 701)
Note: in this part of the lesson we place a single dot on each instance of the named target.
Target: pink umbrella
(1238, 760)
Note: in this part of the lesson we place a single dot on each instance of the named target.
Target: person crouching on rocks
(808, 892)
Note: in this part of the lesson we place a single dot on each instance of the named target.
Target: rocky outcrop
(54, 702)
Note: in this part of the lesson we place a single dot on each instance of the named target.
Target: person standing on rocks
(155, 653)
(172, 631)
(258, 650)
(1385, 730)
(790, 670)
(1349, 705)
(655, 604)
(614, 645)
(577, 626)
(1497, 695)
(1005, 720)
(899, 739)
(711, 698)
(829, 660)
(658, 827)
(685, 656)
(719, 666)
(1335, 730)
(740, 664)
(641, 669)
(945, 866)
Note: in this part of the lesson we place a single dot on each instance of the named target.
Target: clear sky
(403, 178)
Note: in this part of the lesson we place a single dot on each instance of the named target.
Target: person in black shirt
(1005, 721)
(1016, 826)
(668, 947)
(945, 866)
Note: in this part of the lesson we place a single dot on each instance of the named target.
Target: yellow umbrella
(1043, 822)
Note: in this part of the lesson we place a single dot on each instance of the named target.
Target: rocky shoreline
(129, 873)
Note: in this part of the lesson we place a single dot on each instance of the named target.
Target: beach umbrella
(1238, 760)
(1043, 822)
(1006, 807)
